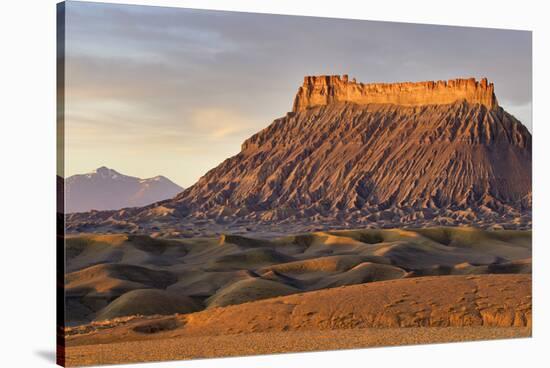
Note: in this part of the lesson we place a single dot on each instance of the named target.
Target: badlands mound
(147, 302)
(249, 290)
(107, 279)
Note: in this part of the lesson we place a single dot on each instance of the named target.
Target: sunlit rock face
(326, 89)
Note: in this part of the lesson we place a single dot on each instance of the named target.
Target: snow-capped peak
(105, 172)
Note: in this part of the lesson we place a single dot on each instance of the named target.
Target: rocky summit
(327, 89)
(357, 155)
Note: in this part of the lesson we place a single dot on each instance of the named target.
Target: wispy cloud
(216, 123)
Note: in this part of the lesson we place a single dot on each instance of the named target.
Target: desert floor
(277, 342)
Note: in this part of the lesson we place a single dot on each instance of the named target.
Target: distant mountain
(107, 189)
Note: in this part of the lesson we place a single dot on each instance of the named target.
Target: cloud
(218, 123)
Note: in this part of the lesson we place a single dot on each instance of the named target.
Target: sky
(169, 91)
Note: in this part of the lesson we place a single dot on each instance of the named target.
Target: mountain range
(107, 189)
(358, 155)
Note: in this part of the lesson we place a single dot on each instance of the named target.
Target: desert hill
(352, 154)
(107, 189)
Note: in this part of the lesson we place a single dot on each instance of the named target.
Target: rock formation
(327, 89)
(360, 155)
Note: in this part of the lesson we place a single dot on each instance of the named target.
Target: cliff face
(354, 155)
(324, 90)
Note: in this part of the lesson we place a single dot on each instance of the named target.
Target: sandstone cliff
(326, 89)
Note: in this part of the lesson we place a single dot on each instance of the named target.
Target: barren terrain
(113, 276)
(133, 298)
(404, 311)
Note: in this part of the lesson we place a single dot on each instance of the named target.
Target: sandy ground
(277, 342)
